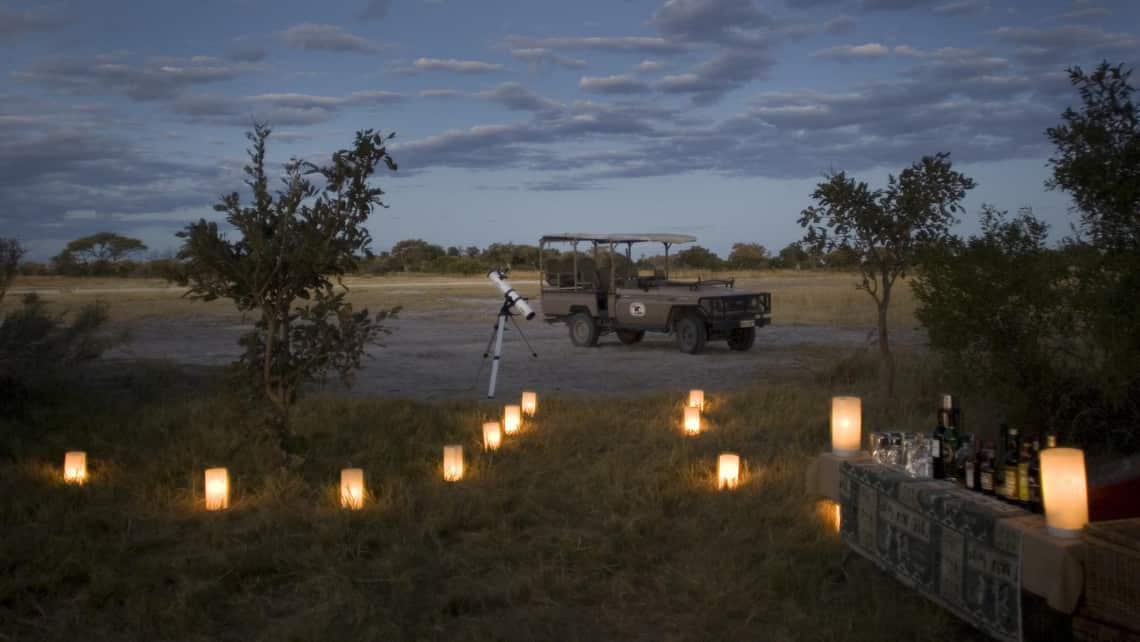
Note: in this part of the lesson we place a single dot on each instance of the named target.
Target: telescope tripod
(496, 339)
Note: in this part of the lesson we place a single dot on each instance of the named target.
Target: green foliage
(290, 247)
(886, 230)
(699, 258)
(748, 256)
(102, 254)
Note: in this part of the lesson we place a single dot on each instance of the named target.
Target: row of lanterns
(1064, 484)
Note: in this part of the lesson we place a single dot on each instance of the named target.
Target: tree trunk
(888, 359)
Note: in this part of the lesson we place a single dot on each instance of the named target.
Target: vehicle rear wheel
(691, 334)
(630, 337)
(583, 330)
(742, 338)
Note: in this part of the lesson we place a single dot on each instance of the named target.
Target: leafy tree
(97, 254)
(793, 257)
(841, 258)
(1098, 157)
(699, 257)
(472, 251)
(453, 251)
(413, 254)
(10, 254)
(292, 247)
(748, 256)
(886, 229)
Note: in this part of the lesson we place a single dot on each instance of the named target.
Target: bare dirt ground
(439, 354)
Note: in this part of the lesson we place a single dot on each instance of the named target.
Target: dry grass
(815, 298)
(600, 522)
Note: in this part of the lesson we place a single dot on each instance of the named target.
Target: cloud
(514, 96)
(248, 54)
(455, 66)
(152, 79)
(962, 8)
(619, 84)
(848, 53)
(441, 93)
(318, 37)
(1085, 13)
(839, 25)
(277, 109)
(376, 10)
(1052, 46)
(907, 51)
(17, 24)
(893, 5)
(649, 66)
(711, 80)
(644, 45)
(708, 20)
(539, 57)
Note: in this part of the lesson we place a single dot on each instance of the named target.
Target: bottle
(986, 470)
(1050, 440)
(937, 469)
(1023, 474)
(1009, 466)
(999, 460)
(969, 465)
(1035, 474)
(950, 445)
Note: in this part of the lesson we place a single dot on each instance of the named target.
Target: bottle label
(987, 481)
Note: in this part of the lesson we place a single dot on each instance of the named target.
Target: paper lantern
(697, 399)
(453, 463)
(529, 403)
(492, 435)
(728, 470)
(512, 419)
(1064, 489)
(75, 467)
(692, 420)
(352, 488)
(846, 425)
(217, 489)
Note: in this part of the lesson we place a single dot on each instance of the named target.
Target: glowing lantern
(697, 399)
(217, 489)
(1064, 489)
(75, 467)
(352, 488)
(692, 420)
(512, 419)
(846, 425)
(529, 403)
(492, 435)
(830, 514)
(838, 517)
(728, 470)
(453, 463)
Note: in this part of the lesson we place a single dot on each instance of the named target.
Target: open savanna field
(599, 521)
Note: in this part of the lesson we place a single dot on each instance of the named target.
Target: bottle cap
(947, 402)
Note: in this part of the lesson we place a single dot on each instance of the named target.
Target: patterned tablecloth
(953, 545)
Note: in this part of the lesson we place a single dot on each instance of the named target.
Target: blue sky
(514, 119)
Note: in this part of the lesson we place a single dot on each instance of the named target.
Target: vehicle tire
(583, 330)
(630, 337)
(741, 339)
(691, 334)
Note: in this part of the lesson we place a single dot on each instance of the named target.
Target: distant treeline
(112, 255)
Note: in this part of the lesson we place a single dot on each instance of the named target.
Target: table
(1050, 567)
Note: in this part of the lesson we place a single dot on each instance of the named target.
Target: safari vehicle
(595, 288)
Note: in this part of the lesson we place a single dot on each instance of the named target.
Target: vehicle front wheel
(630, 337)
(583, 330)
(691, 334)
(742, 338)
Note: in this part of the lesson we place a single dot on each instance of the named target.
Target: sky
(515, 119)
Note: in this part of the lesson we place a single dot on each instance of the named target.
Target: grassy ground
(600, 522)
(806, 297)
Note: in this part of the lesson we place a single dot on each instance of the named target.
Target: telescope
(514, 300)
(513, 304)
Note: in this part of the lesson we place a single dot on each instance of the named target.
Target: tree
(292, 246)
(792, 257)
(471, 251)
(412, 255)
(1098, 157)
(699, 257)
(886, 229)
(97, 254)
(453, 251)
(748, 256)
(10, 254)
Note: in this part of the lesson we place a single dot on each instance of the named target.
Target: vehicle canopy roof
(671, 239)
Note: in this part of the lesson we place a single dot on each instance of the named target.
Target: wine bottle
(1009, 465)
(970, 469)
(1023, 474)
(986, 470)
(937, 468)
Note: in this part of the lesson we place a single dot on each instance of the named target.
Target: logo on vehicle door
(637, 309)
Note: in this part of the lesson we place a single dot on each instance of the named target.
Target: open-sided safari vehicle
(598, 289)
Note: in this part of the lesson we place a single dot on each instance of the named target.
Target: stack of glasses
(907, 450)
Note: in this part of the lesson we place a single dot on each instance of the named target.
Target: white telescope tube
(513, 297)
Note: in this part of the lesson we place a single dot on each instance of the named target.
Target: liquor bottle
(937, 469)
(1023, 474)
(1009, 466)
(1050, 440)
(986, 470)
(999, 460)
(1035, 474)
(969, 465)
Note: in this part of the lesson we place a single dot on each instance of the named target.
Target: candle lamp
(846, 425)
(728, 471)
(492, 435)
(217, 489)
(1064, 489)
(75, 467)
(452, 463)
(352, 488)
